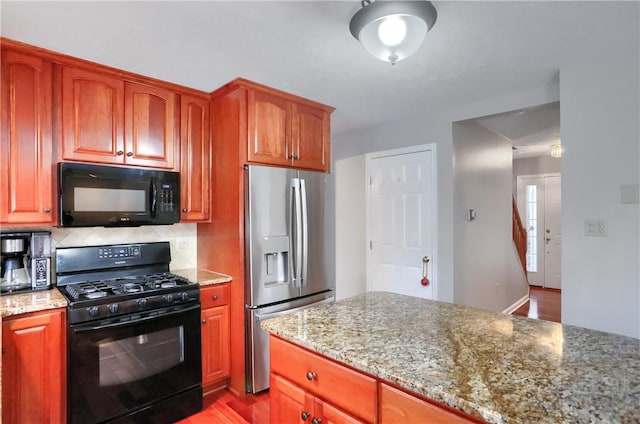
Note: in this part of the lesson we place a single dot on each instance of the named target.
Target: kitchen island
(494, 367)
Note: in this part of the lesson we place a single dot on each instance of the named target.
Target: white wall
(351, 268)
(599, 118)
(433, 127)
(483, 248)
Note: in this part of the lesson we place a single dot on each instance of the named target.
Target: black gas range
(134, 351)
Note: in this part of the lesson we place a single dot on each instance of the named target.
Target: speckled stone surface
(203, 276)
(501, 368)
(22, 303)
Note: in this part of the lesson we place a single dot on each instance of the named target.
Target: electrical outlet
(595, 227)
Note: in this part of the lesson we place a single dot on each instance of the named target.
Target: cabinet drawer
(343, 387)
(398, 407)
(216, 295)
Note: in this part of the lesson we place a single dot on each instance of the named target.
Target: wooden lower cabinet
(309, 388)
(215, 334)
(398, 407)
(34, 368)
(291, 404)
(337, 393)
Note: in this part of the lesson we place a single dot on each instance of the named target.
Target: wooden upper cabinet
(195, 149)
(310, 137)
(150, 123)
(269, 129)
(92, 117)
(281, 129)
(26, 141)
(108, 120)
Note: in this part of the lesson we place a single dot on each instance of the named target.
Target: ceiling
(476, 50)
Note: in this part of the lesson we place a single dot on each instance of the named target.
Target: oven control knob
(113, 307)
(184, 296)
(93, 311)
(141, 303)
(168, 298)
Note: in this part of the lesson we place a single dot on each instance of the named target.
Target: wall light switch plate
(595, 227)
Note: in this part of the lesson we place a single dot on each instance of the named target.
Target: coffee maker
(26, 261)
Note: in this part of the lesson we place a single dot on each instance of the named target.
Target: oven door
(119, 368)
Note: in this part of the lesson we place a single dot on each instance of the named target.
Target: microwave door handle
(154, 198)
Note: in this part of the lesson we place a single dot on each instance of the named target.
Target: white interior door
(401, 213)
(540, 204)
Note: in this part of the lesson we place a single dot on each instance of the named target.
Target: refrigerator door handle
(297, 233)
(305, 232)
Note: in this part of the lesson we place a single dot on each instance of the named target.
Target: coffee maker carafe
(26, 261)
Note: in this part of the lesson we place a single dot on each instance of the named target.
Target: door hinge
(370, 244)
(370, 180)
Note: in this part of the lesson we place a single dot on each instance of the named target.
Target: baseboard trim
(516, 305)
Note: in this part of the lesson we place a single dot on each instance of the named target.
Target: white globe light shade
(393, 30)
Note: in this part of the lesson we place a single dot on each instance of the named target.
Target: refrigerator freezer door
(318, 259)
(258, 339)
(268, 235)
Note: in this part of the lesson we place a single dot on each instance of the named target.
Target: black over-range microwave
(97, 195)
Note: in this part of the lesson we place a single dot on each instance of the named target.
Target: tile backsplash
(182, 238)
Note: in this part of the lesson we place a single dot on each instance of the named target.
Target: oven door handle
(97, 326)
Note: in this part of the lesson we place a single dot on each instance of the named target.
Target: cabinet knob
(305, 415)
(289, 156)
(316, 421)
(129, 154)
(204, 321)
(119, 153)
(296, 157)
(311, 375)
(47, 210)
(215, 297)
(185, 210)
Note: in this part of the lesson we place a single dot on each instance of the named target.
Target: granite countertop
(34, 301)
(202, 276)
(501, 368)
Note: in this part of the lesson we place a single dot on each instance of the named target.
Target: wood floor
(224, 408)
(543, 304)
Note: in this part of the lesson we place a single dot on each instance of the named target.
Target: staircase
(519, 237)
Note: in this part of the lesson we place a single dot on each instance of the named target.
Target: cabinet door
(150, 125)
(398, 407)
(332, 415)
(310, 137)
(92, 117)
(269, 129)
(195, 148)
(215, 344)
(289, 403)
(25, 148)
(33, 368)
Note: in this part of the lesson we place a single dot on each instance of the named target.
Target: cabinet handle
(215, 297)
(311, 375)
(47, 210)
(129, 154)
(204, 321)
(185, 210)
(119, 153)
(305, 415)
(316, 421)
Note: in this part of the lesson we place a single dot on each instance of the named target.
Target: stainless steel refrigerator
(289, 265)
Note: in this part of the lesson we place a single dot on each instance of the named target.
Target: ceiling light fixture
(556, 150)
(392, 30)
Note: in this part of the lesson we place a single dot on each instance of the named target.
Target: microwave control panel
(167, 198)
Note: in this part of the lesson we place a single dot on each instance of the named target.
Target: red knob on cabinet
(424, 281)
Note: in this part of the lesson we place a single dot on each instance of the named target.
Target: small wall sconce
(556, 150)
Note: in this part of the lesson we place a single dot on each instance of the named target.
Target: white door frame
(519, 188)
(433, 264)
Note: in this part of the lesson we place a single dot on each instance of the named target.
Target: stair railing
(519, 237)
